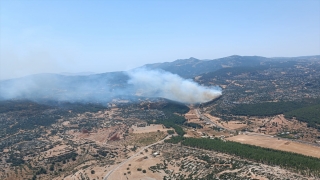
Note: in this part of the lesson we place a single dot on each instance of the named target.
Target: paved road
(205, 118)
(146, 147)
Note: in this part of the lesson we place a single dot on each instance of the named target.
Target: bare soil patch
(101, 135)
(192, 114)
(279, 144)
(150, 128)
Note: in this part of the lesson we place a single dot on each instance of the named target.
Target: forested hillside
(306, 110)
(310, 114)
(189, 68)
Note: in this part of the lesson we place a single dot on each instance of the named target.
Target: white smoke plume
(158, 83)
(105, 87)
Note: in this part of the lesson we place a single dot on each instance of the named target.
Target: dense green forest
(173, 120)
(175, 107)
(231, 71)
(175, 139)
(266, 109)
(193, 125)
(305, 110)
(162, 104)
(300, 163)
(252, 70)
(310, 114)
(82, 107)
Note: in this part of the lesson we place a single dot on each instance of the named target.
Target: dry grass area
(147, 138)
(279, 144)
(88, 170)
(211, 132)
(99, 136)
(147, 129)
(193, 133)
(192, 114)
(278, 122)
(193, 117)
(186, 161)
(275, 125)
(205, 131)
(129, 170)
(231, 125)
(234, 125)
(140, 139)
(57, 150)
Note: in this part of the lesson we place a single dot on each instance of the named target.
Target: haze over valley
(128, 123)
(105, 90)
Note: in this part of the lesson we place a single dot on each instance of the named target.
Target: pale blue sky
(101, 36)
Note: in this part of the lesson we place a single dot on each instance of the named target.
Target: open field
(279, 144)
(150, 128)
(99, 136)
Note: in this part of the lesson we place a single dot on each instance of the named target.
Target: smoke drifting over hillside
(104, 87)
(153, 83)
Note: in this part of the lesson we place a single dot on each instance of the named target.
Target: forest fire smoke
(156, 83)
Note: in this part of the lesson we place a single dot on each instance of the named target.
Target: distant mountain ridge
(105, 85)
(189, 68)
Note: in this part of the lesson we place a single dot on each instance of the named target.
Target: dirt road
(127, 160)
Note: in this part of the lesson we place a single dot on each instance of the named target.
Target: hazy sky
(100, 36)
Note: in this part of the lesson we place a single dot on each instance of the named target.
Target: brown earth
(143, 161)
(150, 128)
(279, 144)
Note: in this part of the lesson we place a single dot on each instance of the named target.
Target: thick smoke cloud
(105, 87)
(158, 83)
